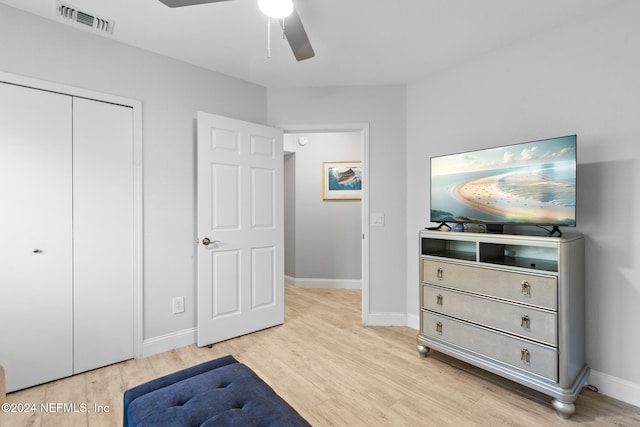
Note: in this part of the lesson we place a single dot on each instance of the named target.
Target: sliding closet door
(103, 229)
(35, 236)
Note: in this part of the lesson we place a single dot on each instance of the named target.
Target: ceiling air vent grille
(71, 13)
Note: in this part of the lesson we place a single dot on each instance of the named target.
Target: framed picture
(342, 180)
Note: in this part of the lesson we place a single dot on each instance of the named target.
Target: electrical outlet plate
(178, 305)
(377, 219)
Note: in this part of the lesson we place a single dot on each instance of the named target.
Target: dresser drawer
(526, 321)
(525, 288)
(531, 357)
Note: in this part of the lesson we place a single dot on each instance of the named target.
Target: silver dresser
(511, 304)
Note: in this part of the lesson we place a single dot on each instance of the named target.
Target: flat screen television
(531, 183)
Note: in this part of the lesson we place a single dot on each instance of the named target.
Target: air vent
(71, 13)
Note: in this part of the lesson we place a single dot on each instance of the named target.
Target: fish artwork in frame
(342, 180)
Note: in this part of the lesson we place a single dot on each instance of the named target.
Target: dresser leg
(563, 409)
(423, 350)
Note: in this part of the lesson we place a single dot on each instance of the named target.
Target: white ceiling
(357, 42)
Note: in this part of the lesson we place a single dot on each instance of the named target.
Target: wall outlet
(178, 305)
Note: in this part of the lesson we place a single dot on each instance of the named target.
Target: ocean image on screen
(530, 183)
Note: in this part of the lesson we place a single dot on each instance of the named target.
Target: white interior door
(35, 236)
(241, 214)
(103, 229)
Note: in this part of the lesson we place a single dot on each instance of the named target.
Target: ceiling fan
(292, 27)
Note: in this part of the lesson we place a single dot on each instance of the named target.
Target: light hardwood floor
(335, 372)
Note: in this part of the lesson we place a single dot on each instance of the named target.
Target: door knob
(207, 241)
(37, 251)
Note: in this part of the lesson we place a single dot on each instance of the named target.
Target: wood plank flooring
(335, 372)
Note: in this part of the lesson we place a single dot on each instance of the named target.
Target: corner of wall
(386, 319)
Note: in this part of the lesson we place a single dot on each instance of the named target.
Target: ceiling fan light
(277, 9)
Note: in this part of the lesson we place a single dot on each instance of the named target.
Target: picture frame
(342, 180)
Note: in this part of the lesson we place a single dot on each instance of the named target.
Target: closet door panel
(103, 227)
(35, 236)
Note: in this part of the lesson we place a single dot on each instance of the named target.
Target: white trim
(323, 283)
(366, 228)
(67, 90)
(168, 342)
(363, 128)
(413, 321)
(615, 387)
(137, 181)
(387, 319)
(138, 229)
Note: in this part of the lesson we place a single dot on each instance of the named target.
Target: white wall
(171, 93)
(326, 241)
(384, 108)
(581, 78)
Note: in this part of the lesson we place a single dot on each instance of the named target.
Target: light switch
(377, 220)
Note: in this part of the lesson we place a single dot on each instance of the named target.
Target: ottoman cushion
(218, 392)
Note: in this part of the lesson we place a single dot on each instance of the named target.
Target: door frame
(136, 107)
(363, 129)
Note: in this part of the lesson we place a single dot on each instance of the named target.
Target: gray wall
(289, 215)
(171, 93)
(325, 240)
(581, 78)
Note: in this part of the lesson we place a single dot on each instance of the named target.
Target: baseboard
(168, 342)
(323, 283)
(386, 319)
(413, 321)
(615, 387)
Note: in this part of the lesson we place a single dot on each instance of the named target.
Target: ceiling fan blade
(180, 3)
(297, 37)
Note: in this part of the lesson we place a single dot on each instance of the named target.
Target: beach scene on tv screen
(529, 183)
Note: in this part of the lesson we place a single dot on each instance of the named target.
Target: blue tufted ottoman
(221, 392)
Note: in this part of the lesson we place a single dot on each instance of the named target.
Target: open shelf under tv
(529, 252)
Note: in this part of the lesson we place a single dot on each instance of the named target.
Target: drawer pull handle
(439, 299)
(525, 356)
(439, 327)
(526, 321)
(440, 273)
(526, 288)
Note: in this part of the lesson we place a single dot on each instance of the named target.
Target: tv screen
(526, 183)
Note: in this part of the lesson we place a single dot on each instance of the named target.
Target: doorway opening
(326, 238)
